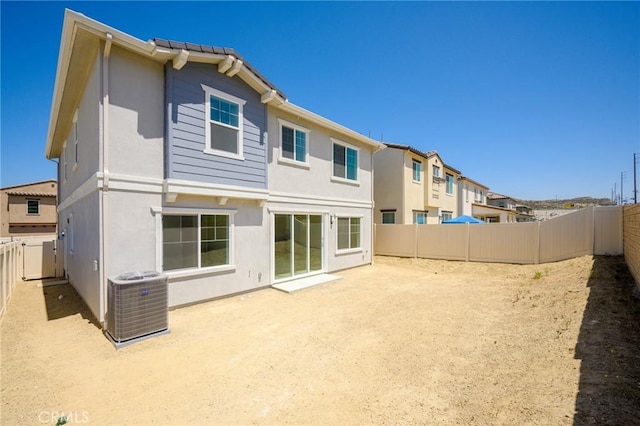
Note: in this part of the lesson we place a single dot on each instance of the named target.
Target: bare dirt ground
(405, 341)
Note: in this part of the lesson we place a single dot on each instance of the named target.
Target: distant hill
(566, 203)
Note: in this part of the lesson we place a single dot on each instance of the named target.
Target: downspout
(57, 244)
(104, 226)
(373, 201)
(402, 179)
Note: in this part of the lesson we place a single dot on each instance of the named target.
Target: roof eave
(72, 22)
(328, 124)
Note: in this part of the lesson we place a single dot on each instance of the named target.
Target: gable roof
(475, 182)
(83, 37)
(202, 48)
(24, 185)
(424, 154)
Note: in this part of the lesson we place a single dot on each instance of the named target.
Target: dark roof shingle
(202, 48)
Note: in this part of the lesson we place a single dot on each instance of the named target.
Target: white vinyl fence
(587, 231)
(10, 259)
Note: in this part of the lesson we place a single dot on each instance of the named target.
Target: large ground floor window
(349, 233)
(195, 241)
(297, 244)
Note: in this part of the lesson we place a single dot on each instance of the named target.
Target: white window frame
(383, 212)
(413, 170)
(448, 213)
(344, 179)
(188, 272)
(74, 130)
(350, 249)
(64, 162)
(435, 170)
(208, 149)
(292, 161)
(27, 205)
(446, 183)
(424, 213)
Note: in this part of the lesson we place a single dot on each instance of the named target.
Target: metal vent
(136, 307)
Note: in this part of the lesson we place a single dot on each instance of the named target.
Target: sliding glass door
(297, 245)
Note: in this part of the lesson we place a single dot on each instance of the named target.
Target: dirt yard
(403, 342)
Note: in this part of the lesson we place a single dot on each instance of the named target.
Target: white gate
(41, 259)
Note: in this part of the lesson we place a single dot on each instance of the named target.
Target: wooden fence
(592, 230)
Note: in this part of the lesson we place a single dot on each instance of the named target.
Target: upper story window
(33, 207)
(417, 167)
(436, 171)
(294, 143)
(449, 181)
(64, 162)
(388, 217)
(74, 130)
(223, 128)
(345, 162)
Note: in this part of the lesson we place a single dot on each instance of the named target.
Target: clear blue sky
(535, 99)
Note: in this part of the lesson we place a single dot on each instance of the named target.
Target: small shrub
(537, 275)
(62, 421)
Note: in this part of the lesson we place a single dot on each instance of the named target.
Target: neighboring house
(183, 158)
(412, 186)
(472, 196)
(500, 208)
(525, 213)
(29, 209)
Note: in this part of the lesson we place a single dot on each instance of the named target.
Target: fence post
(536, 243)
(591, 227)
(467, 240)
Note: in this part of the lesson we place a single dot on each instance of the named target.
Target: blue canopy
(463, 219)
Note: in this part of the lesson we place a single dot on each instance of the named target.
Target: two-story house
(472, 197)
(412, 186)
(499, 209)
(183, 158)
(29, 209)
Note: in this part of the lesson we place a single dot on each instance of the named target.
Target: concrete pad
(302, 283)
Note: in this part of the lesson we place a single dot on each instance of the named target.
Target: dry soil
(405, 341)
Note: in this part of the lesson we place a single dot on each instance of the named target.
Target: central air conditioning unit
(137, 307)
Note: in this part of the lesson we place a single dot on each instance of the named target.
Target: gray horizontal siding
(186, 130)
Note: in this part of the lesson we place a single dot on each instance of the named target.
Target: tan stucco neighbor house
(412, 186)
(184, 159)
(29, 209)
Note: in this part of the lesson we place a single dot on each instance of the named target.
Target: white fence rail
(10, 272)
(587, 231)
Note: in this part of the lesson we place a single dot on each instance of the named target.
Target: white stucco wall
(136, 120)
(80, 224)
(88, 128)
(316, 179)
(251, 251)
(388, 183)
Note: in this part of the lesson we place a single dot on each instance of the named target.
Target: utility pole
(635, 180)
(621, 192)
